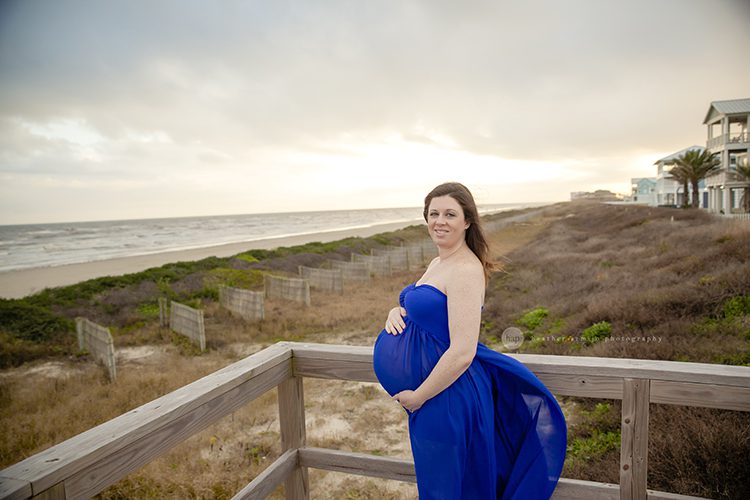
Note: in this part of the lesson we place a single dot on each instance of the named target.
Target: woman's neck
(445, 253)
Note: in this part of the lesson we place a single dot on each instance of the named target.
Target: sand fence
(377, 265)
(287, 288)
(429, 250)
(351, 271)
(247, 304)
(331, 280)
(188, 322)
(398, 257)
(97, 340)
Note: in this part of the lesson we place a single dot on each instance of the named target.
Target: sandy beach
(17, 284)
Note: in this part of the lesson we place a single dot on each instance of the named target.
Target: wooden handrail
(89, 462)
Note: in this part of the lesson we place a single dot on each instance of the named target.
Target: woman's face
(445, 221)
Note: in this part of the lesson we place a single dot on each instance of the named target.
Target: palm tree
(743, 172)
(697, 165)
(679, 174)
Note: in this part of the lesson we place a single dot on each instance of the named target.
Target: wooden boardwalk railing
(90, 462)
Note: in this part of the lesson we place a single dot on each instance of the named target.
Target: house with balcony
(643, 191)
(728, 123)
(669, 193)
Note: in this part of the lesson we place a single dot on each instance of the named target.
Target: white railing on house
(728, 138)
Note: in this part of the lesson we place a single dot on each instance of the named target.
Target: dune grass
(580, 265)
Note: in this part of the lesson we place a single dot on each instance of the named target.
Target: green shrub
(597, 332)
(31, 322)
(149, 310)
(594, 446)
(737, 307)
(536, 342)
(533, 318)
(246, 257)
(238, 278)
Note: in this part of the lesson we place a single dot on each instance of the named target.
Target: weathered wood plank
(268, 480)
(84, 465)
(351, 271)
(362, 464)
(703, 395)
(85, 450)
(98, 341)
(188, 321)
(333, 352)
(589, 386)
(57, 492)
(111, 467)
(661, 495)
(634, 444)
(292, 425)
(360, 371)
(702, 373)
(287, 288)
(678, 371)
(575, 489)
(13, 489)
(331, 280)
(247, 304)
(397, 256)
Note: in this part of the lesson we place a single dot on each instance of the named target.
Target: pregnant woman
(481, 425)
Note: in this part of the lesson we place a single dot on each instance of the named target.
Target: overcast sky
(131, 109)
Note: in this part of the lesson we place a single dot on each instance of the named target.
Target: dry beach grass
(645, 272)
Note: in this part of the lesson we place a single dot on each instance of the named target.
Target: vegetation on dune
(42, 324)
(595, 280)
(632, 282)
(638, 282)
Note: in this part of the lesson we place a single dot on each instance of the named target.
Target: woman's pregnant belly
(392, 362)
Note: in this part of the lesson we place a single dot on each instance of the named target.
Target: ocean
(43, 245)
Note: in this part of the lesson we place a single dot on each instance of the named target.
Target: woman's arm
(465, 293)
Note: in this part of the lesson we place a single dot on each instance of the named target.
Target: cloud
(186, 92)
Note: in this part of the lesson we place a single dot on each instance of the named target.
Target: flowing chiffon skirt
(496, 432)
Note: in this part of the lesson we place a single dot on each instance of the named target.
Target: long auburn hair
(475, 238)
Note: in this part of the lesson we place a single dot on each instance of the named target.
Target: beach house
(669, 193)
(643, 191)
(728, 123)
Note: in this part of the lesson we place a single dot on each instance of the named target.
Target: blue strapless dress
(496, 432)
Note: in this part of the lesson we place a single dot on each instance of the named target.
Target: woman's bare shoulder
(467, 272)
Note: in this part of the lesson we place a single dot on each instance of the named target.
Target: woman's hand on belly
(394, 324)
(409, 400)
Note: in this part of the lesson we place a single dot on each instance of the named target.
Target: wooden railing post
(292, 424)
(634, 445)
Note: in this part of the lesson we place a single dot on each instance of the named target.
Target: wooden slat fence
(397, 256)
(429, 250)
(97, 340)
(415, 256)
(247, 304)
(379, 265)
(163, 312)
(90, 462)
(287, 288)
(352, 271)
(331, 280)
(188, 321)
